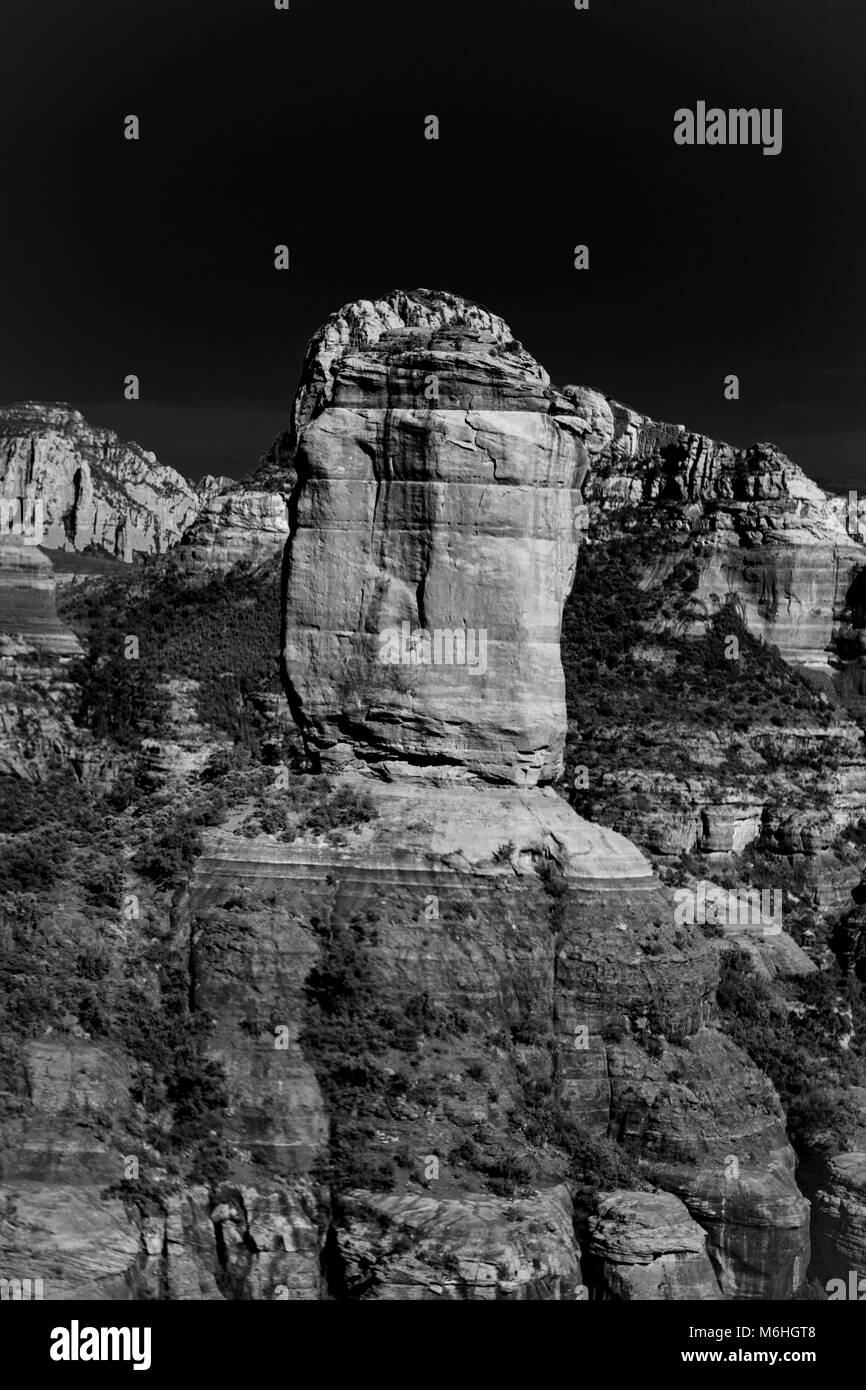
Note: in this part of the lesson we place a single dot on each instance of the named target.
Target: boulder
(647, 1246)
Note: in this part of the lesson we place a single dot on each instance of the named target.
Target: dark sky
(307, 127)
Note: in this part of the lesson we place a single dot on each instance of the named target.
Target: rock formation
(433, 542)
(457, 511)
(760, 529)
(36, 729)
(247, 520)
(94, 489)
(650, 1248)
(411, 1248)
(840, 1219)
(522, 987)
(27, 599)
(235, 525)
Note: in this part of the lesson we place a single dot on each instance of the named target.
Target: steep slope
(439, 478)
(758, 528)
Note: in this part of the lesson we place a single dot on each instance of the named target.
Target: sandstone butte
(431, 474)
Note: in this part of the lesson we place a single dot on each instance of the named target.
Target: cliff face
(95, 489)
(458, 510)
(36, 731)
(468, 1050)
(555, 1020)
(28, 608)
(432, 542)
(840, 1222)
(242, 524)
(758, 528)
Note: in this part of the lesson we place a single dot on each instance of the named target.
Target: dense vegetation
(71, 960)
(613, 683)
(655, 687)
(75, 962)
(222, 634)
(798, 1048)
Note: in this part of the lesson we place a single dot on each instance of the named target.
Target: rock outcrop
(648, 1247)
(478, 1247)
(840, 1219)
(433, 541)
(760, 529)
(78, 1244)
(28, 599)
(432, 997)
(439, 483)
(37, 733)
(95, 489)
(241, 524)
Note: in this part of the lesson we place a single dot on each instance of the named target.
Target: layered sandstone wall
(438, 479)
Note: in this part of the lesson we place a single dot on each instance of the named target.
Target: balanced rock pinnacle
(433, 542)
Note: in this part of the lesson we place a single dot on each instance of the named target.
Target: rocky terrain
(339, 961)
(94, 489)
(759, 530)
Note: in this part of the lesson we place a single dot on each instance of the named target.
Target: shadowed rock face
(28, 599)
(438, 476)
(840, 1220)
(37, 732)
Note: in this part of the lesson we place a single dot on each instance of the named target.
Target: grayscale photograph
(432, 674)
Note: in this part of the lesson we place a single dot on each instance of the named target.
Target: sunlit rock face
(645, 1245)
(94, 488)
(433, 541)
(235, 526)
(762, 531)
(475, 1247)
(432, 477)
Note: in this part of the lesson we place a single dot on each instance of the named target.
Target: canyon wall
(518, 986)
(95, 489)
(758, 528)
(412, 411)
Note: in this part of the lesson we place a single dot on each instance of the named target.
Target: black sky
(307, 127)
